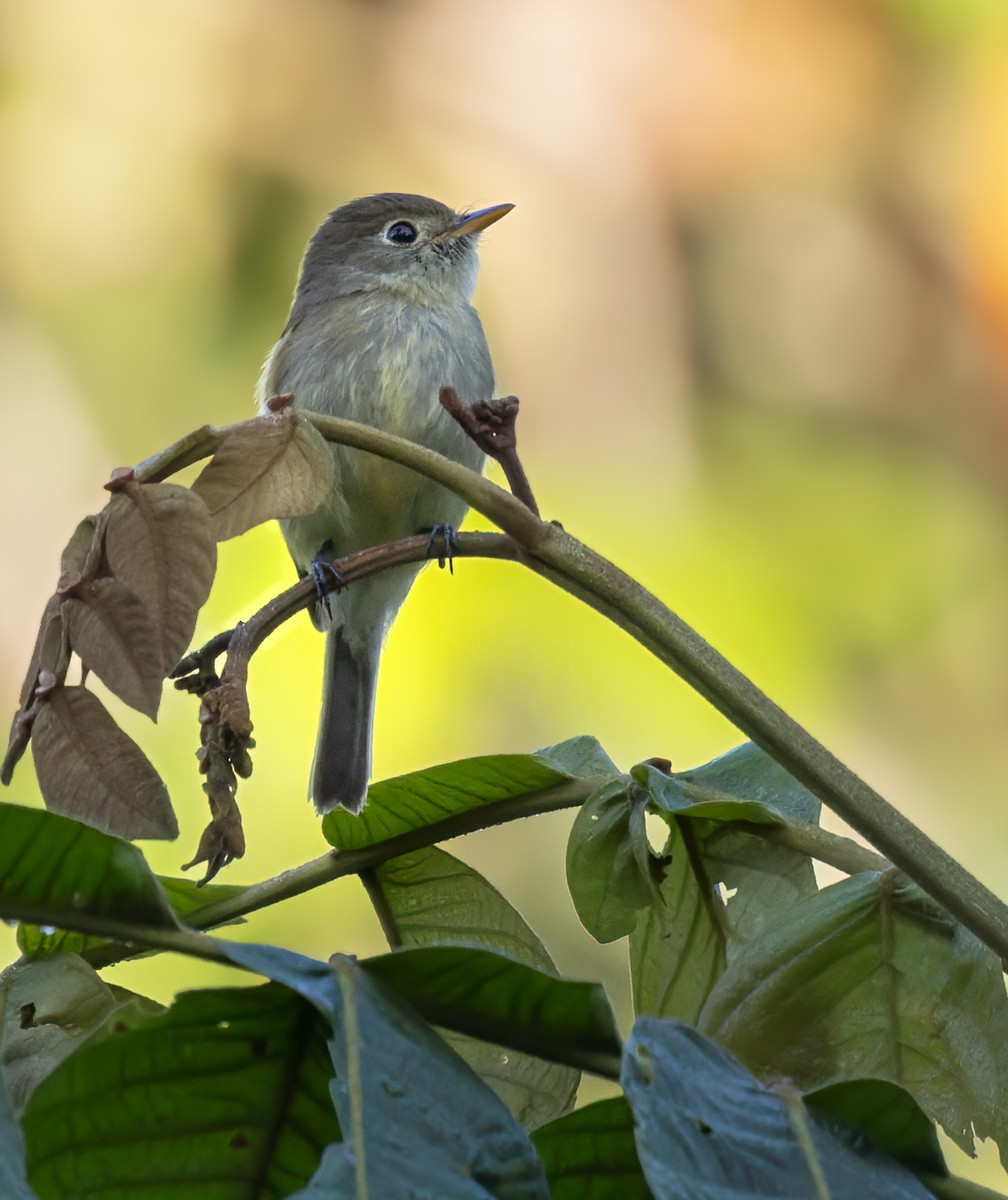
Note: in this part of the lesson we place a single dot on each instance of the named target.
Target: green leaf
(48, 1009)
(183, 895)
(431, 898)
(611, 872)
(768, 880)
(225, 1096)
(870, 979)
(52, 868)
(435, 899)
(409, 1107)
(590, 1154)
(677, 948)
(494, 998)
(572, 770)
(749, 773)
(888, 1116)
(683, 941)
(707, 1129)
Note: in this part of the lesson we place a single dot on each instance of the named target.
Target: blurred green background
(753, 296)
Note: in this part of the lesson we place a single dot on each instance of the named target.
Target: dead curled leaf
(112, 633)
(158, 544)
(50, 649)
(273, 466)
(90, 770)
(82, 553)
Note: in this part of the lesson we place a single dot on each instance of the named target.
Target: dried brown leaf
(49, 653)
(90, 770)
(270, 467)
(158, 544)
(110, 630)
(82, 553)
(223, 840)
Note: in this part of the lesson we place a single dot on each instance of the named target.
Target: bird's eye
(402, 233)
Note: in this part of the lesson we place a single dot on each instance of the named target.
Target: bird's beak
(474, 222)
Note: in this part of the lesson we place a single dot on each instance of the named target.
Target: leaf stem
(336, 864)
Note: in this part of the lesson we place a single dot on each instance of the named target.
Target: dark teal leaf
(431, 898)
(53, 869)
(409, 1107)
(709, 1130)
(590, 1154)
(888, 1116)
(870, 979)
(499, 1000)
(611, 872)
(569, 771)
(224, 1097)
(13, 1179)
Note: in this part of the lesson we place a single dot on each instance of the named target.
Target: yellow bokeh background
(753, 297)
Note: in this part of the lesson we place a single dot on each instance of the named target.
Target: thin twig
(491, 425)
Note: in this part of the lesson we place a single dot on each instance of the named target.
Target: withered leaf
(110, 630)
(50, 652)
(81, 554)
(90, 770)
(223, 840)
(270, 467)
(159, 545)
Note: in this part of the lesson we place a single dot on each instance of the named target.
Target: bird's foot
(326, 579)
(443, 540)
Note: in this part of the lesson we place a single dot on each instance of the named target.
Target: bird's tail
(342, 763)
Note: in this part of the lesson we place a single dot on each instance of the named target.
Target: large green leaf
(430, 898)
(184, 895)
(571, 770)
(683, 940)
(707, 1129)
(677, 948)
(871, 979)
(590, 1154)
(494, 998)
(888, 1116)
(416, 1120)
(52, 866)
(225, 1097)
(767, 879)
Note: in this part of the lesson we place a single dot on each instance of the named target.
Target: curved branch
(585, 574)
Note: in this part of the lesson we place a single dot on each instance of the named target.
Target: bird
(381, 320)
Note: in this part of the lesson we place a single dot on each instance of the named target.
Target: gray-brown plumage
(381, 320)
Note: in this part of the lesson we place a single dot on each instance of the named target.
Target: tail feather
(342, 763)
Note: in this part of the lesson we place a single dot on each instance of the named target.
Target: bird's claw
(326, 579)
(448, 545)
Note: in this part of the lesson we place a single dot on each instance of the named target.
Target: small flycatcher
(381, 320)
